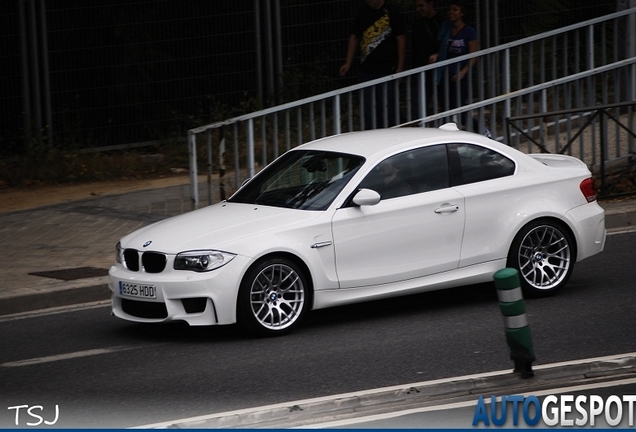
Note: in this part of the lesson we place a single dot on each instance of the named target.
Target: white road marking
(54, 310)
(68, 356)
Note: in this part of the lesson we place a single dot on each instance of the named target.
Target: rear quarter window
(472, 163)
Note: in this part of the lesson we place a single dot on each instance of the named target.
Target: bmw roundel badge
(147, 243)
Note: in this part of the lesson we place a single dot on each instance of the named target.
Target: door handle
(447, 208)
(320, 244)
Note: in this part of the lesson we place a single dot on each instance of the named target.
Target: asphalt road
(87, 369)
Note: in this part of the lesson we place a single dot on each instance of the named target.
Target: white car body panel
(220, 225)
(496, 212)
(419, 242)
(426, 236)
(481, 273)
(590, 237)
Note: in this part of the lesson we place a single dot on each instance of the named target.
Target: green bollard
(513, 309)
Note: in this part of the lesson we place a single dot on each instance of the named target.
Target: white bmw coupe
(362, 216)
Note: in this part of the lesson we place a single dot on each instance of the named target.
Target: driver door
(403, 237)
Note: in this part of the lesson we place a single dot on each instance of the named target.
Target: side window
(388, 178)
(429, 169)
(472, 163)
(411, 172)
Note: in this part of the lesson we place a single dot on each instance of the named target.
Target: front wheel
(273, 297)
(544, 253)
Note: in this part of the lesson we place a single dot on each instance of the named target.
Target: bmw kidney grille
(151, 262)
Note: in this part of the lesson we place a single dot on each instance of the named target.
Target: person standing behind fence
(456, 39)
(379, 33)
(424, 44)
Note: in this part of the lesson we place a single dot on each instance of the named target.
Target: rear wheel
(544, 253)
(273, 297)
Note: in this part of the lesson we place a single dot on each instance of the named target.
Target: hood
(214, 227)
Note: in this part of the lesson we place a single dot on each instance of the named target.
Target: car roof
(380, 142)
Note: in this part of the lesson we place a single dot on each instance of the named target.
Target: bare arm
(351, 52)
(472, 47)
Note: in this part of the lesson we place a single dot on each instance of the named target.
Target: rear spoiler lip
(558, 160)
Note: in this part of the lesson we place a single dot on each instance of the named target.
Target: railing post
(209, 163)
(275, 133)
(237, 168)
(506, 83)
(222, 192)
(543, 133)
(336, 115)
(349, 111)
(194, 185)
(421, 94)
(287, 130)
(299, 125)
(264, 158)
(395, 104)
(312, 122)
(590, 65)
(603, 136)
(250, 148)
(361, 105)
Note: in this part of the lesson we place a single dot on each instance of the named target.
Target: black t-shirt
(376, 30)
(424, 40)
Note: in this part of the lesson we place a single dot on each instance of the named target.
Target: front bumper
(196, 298)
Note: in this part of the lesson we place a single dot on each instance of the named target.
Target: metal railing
(576, 66)
(603, 134)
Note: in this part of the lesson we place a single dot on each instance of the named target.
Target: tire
(544, 254)
(273, 297)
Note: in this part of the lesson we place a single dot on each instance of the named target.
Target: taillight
(587, 188)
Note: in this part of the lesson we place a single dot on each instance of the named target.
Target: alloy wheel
(277, 296)
(544, 257)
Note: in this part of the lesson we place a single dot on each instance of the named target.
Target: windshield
(306, 180)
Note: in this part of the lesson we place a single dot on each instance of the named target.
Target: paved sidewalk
(60, 254)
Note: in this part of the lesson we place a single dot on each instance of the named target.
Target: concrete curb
(54, 298)
(620, 217)
(426, 394)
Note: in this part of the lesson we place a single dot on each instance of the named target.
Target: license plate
(137, 290)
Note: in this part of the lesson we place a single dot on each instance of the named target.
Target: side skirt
(475, 274)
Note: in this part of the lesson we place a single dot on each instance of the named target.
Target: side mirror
(366, 197)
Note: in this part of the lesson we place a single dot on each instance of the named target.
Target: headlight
(202, 261)
(118, 253)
